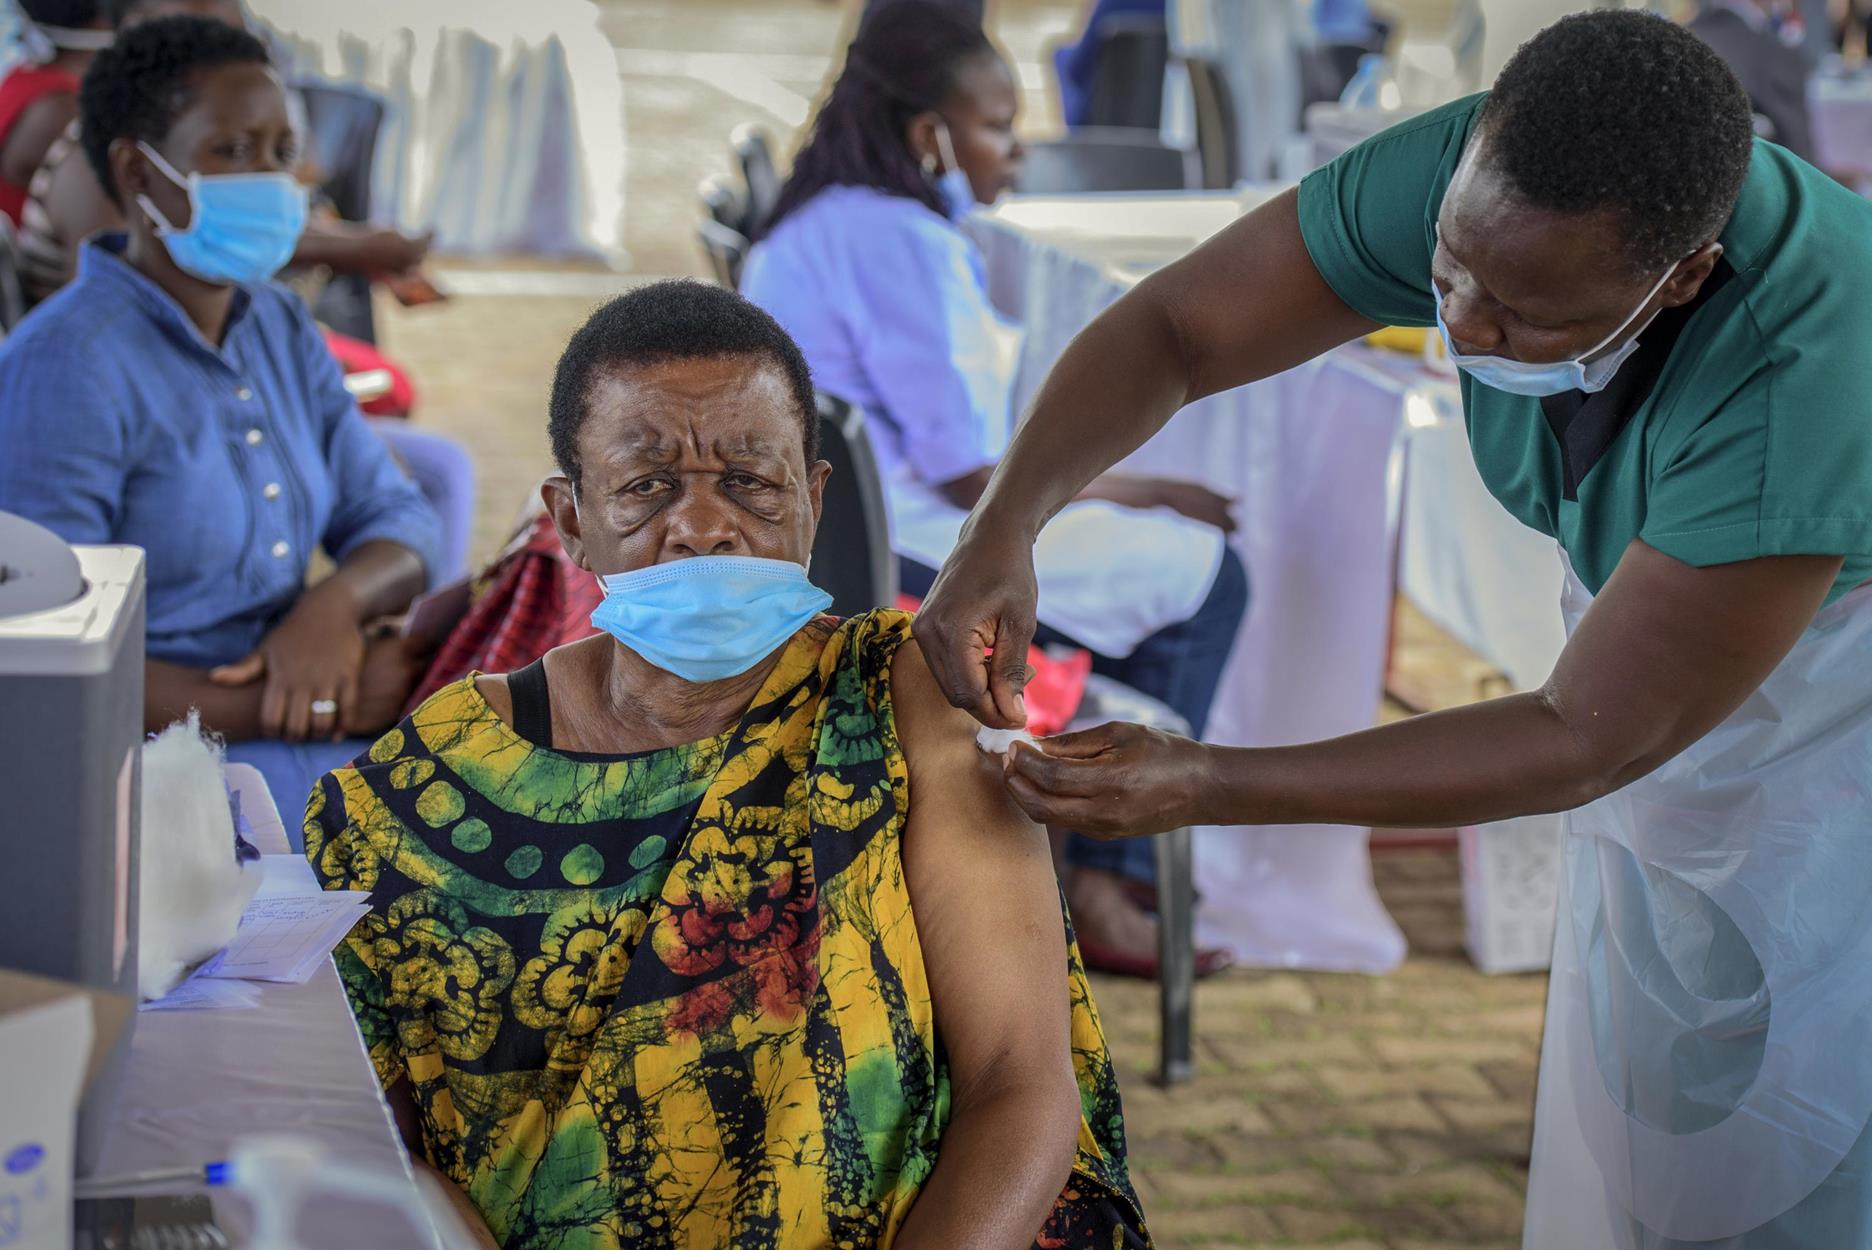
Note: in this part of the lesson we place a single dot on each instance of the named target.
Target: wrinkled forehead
(733, 408)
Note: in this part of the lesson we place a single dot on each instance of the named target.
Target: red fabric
(357, 356)
(1055, 690)
(19, 90)
(529, 601)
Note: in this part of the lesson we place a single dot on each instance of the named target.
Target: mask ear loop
(950, 163)
(168, 171)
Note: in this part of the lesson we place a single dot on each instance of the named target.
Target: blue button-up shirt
(120, 423)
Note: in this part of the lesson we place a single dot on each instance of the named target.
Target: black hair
(138, 87)
(1627, 112)
(904, 61)
(72, 14)
(679, 319)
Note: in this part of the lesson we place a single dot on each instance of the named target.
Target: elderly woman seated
(717, 928)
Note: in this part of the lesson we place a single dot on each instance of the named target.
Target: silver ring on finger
(324, 707)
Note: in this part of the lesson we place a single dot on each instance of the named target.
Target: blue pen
(210, 1174)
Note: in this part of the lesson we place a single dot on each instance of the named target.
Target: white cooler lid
(63, 609)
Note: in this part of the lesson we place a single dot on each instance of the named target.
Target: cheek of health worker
(1664, 328)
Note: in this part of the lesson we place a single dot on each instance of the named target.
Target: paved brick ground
(1346, 1111)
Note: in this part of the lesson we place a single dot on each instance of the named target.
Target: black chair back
(754, 154)
(342, 126)
(12, 288)
(1216, 126)
(723, 229)
(1128, 77)
(726, 252)
(1098, 159)
(852, 558)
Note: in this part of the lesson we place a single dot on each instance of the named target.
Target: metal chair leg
(1176, 956)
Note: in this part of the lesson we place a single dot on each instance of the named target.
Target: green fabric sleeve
(1367, 217)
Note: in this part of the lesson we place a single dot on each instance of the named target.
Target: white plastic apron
(1707, 1063)
(1109, 577)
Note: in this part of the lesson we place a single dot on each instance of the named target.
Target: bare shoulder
(492, 687)
(935, 734)
(974, 808)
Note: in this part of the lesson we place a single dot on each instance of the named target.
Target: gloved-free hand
(1115, 781)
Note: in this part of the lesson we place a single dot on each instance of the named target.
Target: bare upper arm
(1250, 303)
(984, 895)
(32, 134)
(1668, 650)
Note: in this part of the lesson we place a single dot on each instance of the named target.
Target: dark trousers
(1180, 666)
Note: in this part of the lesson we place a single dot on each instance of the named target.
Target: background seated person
(39, 96)
(171, 398)
(717, 928)
(864, 265)
(68, 205)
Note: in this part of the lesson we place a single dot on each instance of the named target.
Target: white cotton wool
(997, 741)
(192, 890)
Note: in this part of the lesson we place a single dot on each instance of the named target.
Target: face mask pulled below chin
(953, 187)
(1518, 377)
(708, 618)
(242, 227)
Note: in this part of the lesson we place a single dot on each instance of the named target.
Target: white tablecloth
(199, 1080)
(1841, 105)
(1318, 459)
(506, 126)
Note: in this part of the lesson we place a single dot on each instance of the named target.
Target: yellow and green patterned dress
(672, 999)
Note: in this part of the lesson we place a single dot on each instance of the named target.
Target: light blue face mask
(953, 187)
(707, 618)
(242, 227)
(1518, 377)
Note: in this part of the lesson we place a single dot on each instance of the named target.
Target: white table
(506, 120)
(1841, 105)
(1317, 459)
(197, 1081)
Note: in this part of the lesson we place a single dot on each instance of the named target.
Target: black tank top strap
(532, 703)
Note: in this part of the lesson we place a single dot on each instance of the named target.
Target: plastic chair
(723, 230)
(342, 126)
(1107, 700)
(1128, 79)
(1104, 159)
(1216, 138)
(852, 557)
(754, 154)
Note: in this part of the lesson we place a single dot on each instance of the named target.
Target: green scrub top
(1756, 439)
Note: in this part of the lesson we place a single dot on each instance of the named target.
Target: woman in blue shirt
(171, 399)
(864, 265)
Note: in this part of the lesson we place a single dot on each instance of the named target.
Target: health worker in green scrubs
(1664, 328)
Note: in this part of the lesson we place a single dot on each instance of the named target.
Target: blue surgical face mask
(242, 227)
(953, 187)
(1518, 377)
(707, 618)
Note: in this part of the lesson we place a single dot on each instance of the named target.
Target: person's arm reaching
(988, 918)
(352, 248)
(1246, 305)
(1194, 501)
(1665, 654)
